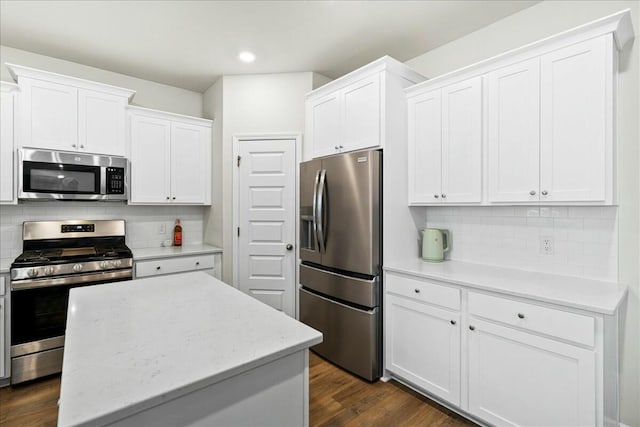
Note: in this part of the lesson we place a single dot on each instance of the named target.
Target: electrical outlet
(546, 245)
(163, 228)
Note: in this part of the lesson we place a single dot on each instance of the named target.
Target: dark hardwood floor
(336, 399)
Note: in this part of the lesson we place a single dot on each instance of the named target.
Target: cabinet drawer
(557, 323)
(173, 265)
(423, 290)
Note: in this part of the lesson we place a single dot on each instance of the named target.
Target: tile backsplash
(585, 239)
(143, 222)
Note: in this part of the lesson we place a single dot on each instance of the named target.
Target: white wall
(148, 94)
(263, 103)
(534, 23)
(142, 222)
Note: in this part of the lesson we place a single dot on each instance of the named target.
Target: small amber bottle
(177, 234)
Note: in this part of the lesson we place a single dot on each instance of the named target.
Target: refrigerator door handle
(320, 210)
(315, 208)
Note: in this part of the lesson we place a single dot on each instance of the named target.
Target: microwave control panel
(115, 180)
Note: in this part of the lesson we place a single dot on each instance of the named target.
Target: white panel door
(462, 141)
(101, 123)
(150, 160)
(423, 345)
(7, 106)
(425, 148)
(266, 218)
(513, 374)
(49, 115)
(575, 84)
(3, 362)
(361, 114)
(189, 161)
(323, 117)
(514, 132)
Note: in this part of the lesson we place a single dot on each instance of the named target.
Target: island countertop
(137, 344)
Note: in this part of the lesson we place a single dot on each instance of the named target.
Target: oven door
(38, 322)
(46, 174)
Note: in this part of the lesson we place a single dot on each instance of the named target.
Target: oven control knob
(32, 272)
(48, 271)
(104, 264)
(117, 263)
(77, 268)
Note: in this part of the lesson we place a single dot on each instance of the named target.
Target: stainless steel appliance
(59, 175)
(341, 254)
(58, 256)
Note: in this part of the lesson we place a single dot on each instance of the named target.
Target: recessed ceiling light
(246, 56)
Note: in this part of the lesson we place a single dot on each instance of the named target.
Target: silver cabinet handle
(417, 291)
(472, 328)
(453, 322)
(532, 192)
(444, 196)
(544, 192)
(435, 196)
(521, 316)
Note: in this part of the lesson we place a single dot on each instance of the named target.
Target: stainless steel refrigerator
(341, 258)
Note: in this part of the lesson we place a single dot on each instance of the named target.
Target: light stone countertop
(585, 294)
(137, 344)
(173, 251)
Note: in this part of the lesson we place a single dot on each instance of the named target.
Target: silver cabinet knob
(545, 192)
(74, 145)
(472, 328)
(417, 291)
(521, 316)
(174, 197)
(289, 246)
(158, 268)
(444, 196)
(532, 192)
(336, 147)
(341, 146)
(168, 197)
(435, 196)
(453, 322)
(197, 263)
(81, 146)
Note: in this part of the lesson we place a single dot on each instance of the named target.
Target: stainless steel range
(58, 256)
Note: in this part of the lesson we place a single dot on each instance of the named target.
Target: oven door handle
(72, 280)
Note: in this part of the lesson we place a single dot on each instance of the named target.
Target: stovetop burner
(36, 257)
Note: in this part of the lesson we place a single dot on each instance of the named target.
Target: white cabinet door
(425, 149)
(361, 114)
(462, 141)
(7, 105)
(189, 163)
(423, 346)
(514, 132)
(3, 340)
(521, 379)
(49, 115)
(324, 124)
(150, 160)
(576, 113)
(101, 123)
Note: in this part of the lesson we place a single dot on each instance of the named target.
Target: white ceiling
(190, 43)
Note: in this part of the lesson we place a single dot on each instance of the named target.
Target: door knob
(289, 246)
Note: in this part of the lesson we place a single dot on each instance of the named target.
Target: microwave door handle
(103, 180)
(320, 215)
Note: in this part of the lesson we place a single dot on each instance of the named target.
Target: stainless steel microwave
(60, 175)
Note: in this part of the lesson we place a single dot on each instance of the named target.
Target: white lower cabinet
(209, 263)
(521, 379)
(502, 360)
(423, 346)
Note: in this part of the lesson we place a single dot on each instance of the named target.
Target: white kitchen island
(181, 350)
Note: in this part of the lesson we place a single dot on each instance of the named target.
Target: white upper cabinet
(69, 114)
(513, 166)
(7, 139)
(576, 121)
(170, 158)
(544, 115)
(350, 113)
(445, 144)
